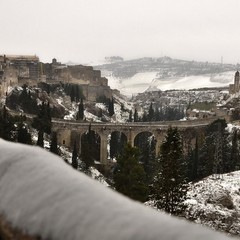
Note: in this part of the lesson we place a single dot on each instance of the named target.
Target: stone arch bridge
(70, 131)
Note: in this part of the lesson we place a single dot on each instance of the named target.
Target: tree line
(156, 114)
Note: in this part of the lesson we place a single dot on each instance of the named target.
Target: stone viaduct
(70, 131)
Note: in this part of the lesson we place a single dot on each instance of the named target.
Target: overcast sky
(88, 30)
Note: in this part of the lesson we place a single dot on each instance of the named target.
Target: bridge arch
(146, 142)
(116, 143)
(90, 142)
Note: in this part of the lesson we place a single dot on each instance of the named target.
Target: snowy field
(142, 81)
(136, 84)
(191, 82)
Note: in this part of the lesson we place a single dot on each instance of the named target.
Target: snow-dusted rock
(215, 202)
(43, 196)
(221, 197)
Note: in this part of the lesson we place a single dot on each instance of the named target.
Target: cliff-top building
(23, 69)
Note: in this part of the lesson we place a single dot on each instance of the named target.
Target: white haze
(84, 31)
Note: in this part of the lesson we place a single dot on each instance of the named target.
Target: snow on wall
(43, 196)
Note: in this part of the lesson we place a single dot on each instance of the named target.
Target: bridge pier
(160, 136)
(130, 137)
(103, 149)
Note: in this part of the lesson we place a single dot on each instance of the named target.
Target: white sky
(88, 30)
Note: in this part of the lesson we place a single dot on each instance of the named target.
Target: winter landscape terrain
(152, 74)
(212, 201)
(70, 200)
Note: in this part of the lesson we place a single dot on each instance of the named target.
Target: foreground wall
(42, 196)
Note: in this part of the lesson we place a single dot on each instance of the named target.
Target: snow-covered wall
(43, 196)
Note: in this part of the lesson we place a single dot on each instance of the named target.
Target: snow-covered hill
(215, 202)
(149, 81)
(138, 75)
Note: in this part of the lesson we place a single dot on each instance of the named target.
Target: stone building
(92, 83)
(19, 69)
(23, 69)
(234, 88)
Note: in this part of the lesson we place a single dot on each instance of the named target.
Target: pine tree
(157, 114)
(235, 151)
(7, 127)
(5, 114)
(42, 122)
(130, 116)
(170, 183)
(48, 113)
(113, 111)
(135, 116)
(111, 107)
(23, 135)
(74, 157)
(150, 113)
(54, 146)
(195, 161)
(40, 142)
(77, 93)
(73, 93)
(129, 175)
(80, 114)
(208, 151)
(144, 117)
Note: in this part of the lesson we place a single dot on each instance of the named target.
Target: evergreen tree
(73, 93)
(113, 111)
(5, 114)
(42, 122)
(235, 152)
(195, 161)
(80, 114)
(130, 116)
(208, 151)
(150, 113)
(100, 113)
(27, 103)
(86, 154)
(192, 162)
(74, 157)
(170, 183)
(129, 175)
(77, 93)
(40, 142)
(54, 146)
(48, 113)
(7, 127)
(157, 114)
(111, 107)
(23, 135)
(144, 117)
(135, 116)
